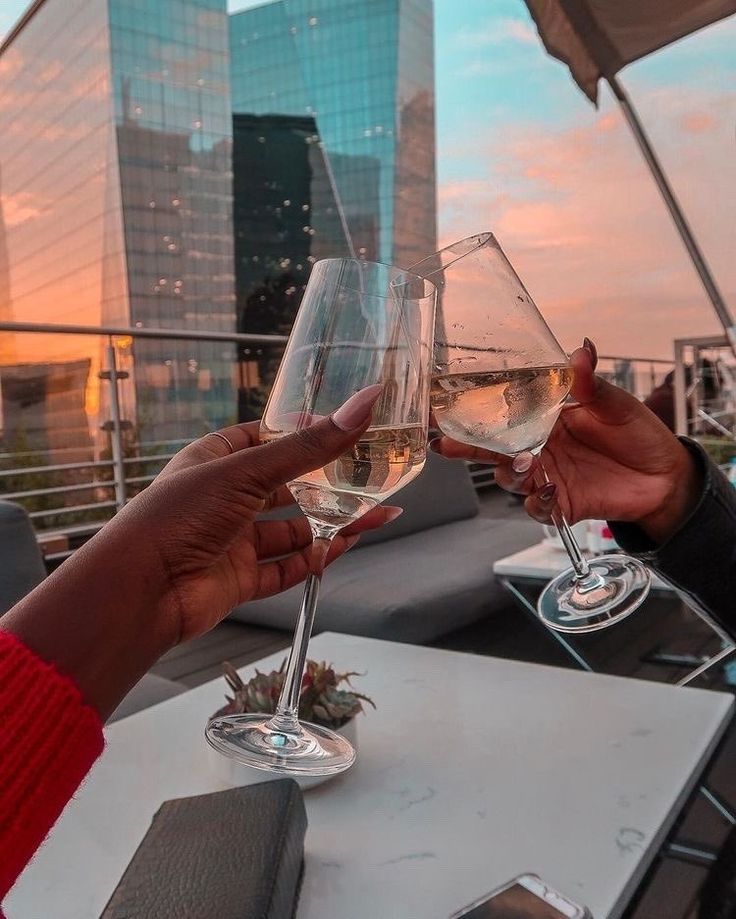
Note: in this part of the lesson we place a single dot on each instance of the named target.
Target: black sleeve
(700, 558)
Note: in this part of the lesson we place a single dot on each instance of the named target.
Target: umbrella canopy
(596, 38)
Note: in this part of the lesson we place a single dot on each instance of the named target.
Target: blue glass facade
(170, 82)
(334, 148)
(365, 73)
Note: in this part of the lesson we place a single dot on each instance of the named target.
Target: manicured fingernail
(434, 444)
(393, 512)
(592, 350)
(547, 492)
(357, 410)
(522, 462)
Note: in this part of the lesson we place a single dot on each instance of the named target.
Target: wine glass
(499, 382)
(360, 324)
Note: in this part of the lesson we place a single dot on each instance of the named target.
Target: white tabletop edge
(659, 838)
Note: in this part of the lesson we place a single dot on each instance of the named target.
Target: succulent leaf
(321, 700)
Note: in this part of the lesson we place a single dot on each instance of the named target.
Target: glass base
(253, 741)
(616, 586)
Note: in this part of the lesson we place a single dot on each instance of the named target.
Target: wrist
(97, 618)
(684, 490)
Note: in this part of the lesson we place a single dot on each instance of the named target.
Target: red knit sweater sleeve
(49, 739)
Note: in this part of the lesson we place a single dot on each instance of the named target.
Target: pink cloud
(581, 219)
(697, 122)
(19, 208)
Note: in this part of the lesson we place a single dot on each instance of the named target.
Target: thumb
(272, 465)
(607, 403)
(584, 384)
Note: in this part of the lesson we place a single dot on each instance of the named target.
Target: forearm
(98, 618)
(699, 558)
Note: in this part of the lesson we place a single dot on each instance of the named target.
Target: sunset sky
(522, 152)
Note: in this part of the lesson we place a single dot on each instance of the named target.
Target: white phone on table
(526, 897)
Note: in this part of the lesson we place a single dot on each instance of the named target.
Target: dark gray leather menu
(234, 854)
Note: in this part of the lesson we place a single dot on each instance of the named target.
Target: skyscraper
(117, 190)
(347, 88)
(365, 73)
(119, 180)
(285, 217)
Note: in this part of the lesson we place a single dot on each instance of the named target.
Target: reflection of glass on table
(526, 573)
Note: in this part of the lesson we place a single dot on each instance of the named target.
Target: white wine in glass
(503, 410)
(385, 459)
(360, 326)
(500, 381)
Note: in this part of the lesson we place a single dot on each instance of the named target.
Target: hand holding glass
(360, 325)
(500, 381)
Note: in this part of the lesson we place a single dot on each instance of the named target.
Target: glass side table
(525, 573)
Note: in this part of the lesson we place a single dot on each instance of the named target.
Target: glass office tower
(117, 174)
(348, 88)
(365, 73)
(285, 217)
(171, 98)
(116, 185)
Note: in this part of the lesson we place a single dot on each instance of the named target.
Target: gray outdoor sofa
(428, 573)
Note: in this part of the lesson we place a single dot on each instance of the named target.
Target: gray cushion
(151, 690)
(442, 493)
(21, 562)
(436, 581)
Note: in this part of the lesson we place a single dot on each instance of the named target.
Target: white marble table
(472, 770)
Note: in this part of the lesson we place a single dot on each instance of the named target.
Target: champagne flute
(500, 380)
(360, 324)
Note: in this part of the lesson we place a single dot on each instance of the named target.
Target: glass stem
(286, 719)
(578, 560)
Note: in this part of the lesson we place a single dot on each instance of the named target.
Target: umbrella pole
(683, 228)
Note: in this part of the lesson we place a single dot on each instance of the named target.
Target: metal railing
(113, 480)
(638, 375)
(705, 395)
(243, 338)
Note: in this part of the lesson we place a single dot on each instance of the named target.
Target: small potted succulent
(322, 701)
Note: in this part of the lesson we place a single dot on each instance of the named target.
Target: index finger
(206, 448)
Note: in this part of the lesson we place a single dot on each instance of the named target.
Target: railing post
(115, 427)
(680, 394)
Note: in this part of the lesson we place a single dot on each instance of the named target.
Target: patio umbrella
(596, 38)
